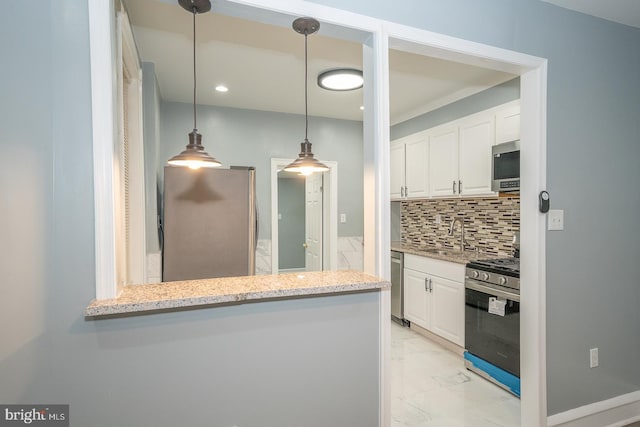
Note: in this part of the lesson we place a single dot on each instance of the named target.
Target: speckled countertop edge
(458, 258)
(207, 292)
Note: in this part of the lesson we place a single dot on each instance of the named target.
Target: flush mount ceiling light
(341, 79)
(306, 164)
(194, 155)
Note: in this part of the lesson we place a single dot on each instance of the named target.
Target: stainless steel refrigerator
(209, 224)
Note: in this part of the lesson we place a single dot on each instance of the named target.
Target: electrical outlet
(555, 220)
(593, 357)
(438, 219)
(343, 218)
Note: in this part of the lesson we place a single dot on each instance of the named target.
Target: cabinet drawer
(448, 270)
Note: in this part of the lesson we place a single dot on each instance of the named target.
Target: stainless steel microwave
(505, 166)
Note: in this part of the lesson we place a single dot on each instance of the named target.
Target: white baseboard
(618, 411)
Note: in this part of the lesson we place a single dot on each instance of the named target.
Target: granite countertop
(451, 255)
(211, 292)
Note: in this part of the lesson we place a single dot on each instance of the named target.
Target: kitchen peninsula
(229, 290)
(300, 349)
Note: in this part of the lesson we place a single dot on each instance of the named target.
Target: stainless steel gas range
(492, 321)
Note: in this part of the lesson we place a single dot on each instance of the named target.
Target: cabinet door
(397, 170)
(476, 139)
(447, 316)
(443, 161)
(415, 298)
(417, 168)
(508, 124)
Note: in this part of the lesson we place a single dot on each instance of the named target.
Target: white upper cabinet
(409, 167)
(453, 159)
(443, 161)
(508, 123)
(397, 179)
(460, 157)
(416, 164)
(477, 136)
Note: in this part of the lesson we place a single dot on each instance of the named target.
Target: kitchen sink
(438, 251)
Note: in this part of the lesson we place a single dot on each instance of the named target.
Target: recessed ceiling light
(341, 79)
(222, 88)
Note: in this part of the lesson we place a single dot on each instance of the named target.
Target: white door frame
(329, 214)
(382, 35)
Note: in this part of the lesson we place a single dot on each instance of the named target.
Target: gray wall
(49, 352)
(494, 96)
(251, 138)
(151, 132)
(220, 366)
(291, 227)
(593, 149)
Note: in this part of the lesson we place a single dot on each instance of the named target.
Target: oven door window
(493, 337)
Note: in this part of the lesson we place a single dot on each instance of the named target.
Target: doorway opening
(304, 222)
(532, 73)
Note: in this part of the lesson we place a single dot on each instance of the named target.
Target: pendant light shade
(194, 155)
(306, 164)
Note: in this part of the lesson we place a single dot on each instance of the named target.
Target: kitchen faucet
(453, 224)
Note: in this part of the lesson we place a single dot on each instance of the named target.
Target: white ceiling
(622, 11)
(263, 65)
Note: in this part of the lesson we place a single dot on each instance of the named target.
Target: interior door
(313, 222)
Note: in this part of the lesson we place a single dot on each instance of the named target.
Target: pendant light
(306, 164)
(194, 155)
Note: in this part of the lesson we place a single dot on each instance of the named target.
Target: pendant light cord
(194, 69)
(306, 112)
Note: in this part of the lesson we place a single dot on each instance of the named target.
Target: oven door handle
(472, 284)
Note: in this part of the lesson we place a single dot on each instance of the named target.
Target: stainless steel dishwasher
(397, 288)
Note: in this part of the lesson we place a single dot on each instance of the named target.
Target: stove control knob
(485, 276)
(502, 280)
(475, 274)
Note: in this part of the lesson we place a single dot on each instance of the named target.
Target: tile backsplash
(489, 223)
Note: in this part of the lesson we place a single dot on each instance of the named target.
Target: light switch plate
(555, 220)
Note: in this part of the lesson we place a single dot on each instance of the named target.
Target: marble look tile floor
(431, 387)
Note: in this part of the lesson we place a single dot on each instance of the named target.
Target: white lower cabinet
(416, 298)
(434, 296)
(447, 318)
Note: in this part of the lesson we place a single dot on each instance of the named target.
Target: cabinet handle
(431, 285)
(426, 284)
(459, 187)
(454, 187)
(401, 191)
(406, 191)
